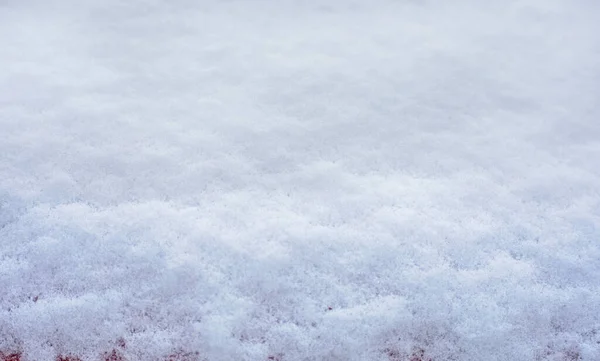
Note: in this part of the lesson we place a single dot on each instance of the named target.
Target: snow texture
(300, 180)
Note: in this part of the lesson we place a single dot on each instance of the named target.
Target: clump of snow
(300, 180)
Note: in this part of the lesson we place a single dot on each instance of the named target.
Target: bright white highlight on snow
(301, 180)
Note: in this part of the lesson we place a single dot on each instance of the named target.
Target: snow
(300, 180)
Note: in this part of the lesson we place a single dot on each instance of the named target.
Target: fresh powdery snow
(300, 180)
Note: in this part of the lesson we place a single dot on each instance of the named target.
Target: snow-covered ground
(300, 180)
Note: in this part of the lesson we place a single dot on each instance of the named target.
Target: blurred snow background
(308, 180)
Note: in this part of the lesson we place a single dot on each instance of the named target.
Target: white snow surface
(300, 180)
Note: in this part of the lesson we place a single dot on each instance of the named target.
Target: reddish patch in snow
(114, 355)
(10, 356)
(419, 355)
